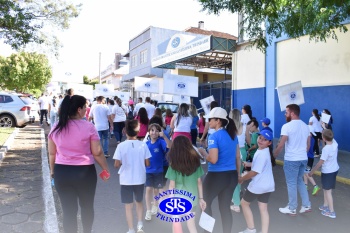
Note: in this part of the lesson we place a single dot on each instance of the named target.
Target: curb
(339, 178)
(7, 145)
(51, 221)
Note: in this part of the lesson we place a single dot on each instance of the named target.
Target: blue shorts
(328, 180)
(127, 193)
(154, 180)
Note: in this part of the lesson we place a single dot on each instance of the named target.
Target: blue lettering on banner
(181, 85)
(105, 89)
(293, 95)
(175, 206)
(147, 84)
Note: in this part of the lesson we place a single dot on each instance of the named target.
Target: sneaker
(107, 156)
(248, 231)
(305, 209)
(316, 156)
(315, 190)
(235, 208)
(140, 229)
(323, 207)
(148, 215)
(328, 213)
(286, 210)
(154, 210)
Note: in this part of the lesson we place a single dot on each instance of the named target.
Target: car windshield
(165, 106)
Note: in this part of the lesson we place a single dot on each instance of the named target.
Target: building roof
(197, 30)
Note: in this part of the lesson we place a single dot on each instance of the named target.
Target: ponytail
(230, 127)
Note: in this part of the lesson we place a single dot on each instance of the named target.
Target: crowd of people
(156, 148)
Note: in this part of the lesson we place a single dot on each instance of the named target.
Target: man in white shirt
(138, 106)
(101, 115)
(44, 102)
(149, 107)
(295, 137)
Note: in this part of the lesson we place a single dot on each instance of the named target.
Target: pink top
(143, 128)
(73, 143)
(168, 120)
(201, 126)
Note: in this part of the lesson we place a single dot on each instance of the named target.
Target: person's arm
(110, 120)
(318, 165)
(49, 110)
(247, 135)
(97, 152)
(238, 160)
(308, 143)
(172, 122)
(205, 131)
(248, 176)
(212, 156)
(168, 142)
(117, 163)
(202, 203)
(52, 156)
(147, 163)
(280, 145)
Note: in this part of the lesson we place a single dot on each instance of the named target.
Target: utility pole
(99, 68)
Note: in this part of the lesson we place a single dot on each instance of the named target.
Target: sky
(107, 26)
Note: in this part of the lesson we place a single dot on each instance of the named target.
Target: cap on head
(266, 134)
(130, 102)
(217, 112)
(266, 120)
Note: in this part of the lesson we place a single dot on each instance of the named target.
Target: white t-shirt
(316, 124)
(132, 155)
(150, 110)
(100, 113)
(44, 102)
(329, 156)
(296, 144)
(245, 119)
(241, 139)
(119, 114)
(137, 108)
(184, 124)
(263, 182)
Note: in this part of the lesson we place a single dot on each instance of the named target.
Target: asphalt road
(110, 213)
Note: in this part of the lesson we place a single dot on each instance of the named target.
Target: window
(134, 61)
(143, 56)
(5, 99)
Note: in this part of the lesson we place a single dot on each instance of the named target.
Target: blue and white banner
(124, 96)
(82, 89)
(181, 99)
(290, 94)
(206, 104)
(150, 85)
(180, 85)
(106, 90)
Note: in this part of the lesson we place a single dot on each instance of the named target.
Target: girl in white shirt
(316, 124)
(262, 184)
(181, 122)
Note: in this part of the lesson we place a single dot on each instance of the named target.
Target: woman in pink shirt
(74, 145)
(143, 120)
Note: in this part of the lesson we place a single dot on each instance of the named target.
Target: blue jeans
(104, 140)
(294, 172)
(118, 130)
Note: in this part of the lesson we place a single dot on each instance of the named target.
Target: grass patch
(5, 134)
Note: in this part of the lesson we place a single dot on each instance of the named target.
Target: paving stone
(28, 227)
(14, 218)
(6, 209)
(5, 228)
(31, 194)
(38, 217)
(29, 209)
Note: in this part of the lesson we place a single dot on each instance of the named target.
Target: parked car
(34, 107)
(165, 105)
(13, 110)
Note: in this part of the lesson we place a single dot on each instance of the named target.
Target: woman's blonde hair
(235, 115)
(193, 110)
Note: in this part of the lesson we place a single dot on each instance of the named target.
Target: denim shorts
(328, 180)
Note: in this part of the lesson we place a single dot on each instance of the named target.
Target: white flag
(180, 85)
(206, 104)
(106, 90)
(150, 85)
(290, 94)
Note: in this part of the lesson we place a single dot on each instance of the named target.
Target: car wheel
(7, 121)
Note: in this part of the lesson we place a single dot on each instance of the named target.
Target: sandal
(235, 208)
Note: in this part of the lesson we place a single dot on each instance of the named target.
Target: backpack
(130, 115)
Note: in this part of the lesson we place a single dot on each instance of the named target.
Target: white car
(14, 111)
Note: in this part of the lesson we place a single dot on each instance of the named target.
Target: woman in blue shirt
(223, 163)
(195, 119)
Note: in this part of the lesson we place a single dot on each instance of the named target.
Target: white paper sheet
(207, 222)
(325, 118)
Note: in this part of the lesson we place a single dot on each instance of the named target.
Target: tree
(25, 72)
(86, 80)
(27, 21)
(294, 18)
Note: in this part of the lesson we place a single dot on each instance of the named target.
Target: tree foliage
(294, 18)
(26, 21)
(86, 80)
(24, 72)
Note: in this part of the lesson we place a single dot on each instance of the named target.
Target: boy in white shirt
(329, 172)
(132, 156)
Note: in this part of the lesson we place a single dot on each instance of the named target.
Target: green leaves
(25, 72)
(295, 18)
(32, 21)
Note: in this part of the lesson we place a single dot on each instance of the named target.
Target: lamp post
(99, 68)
